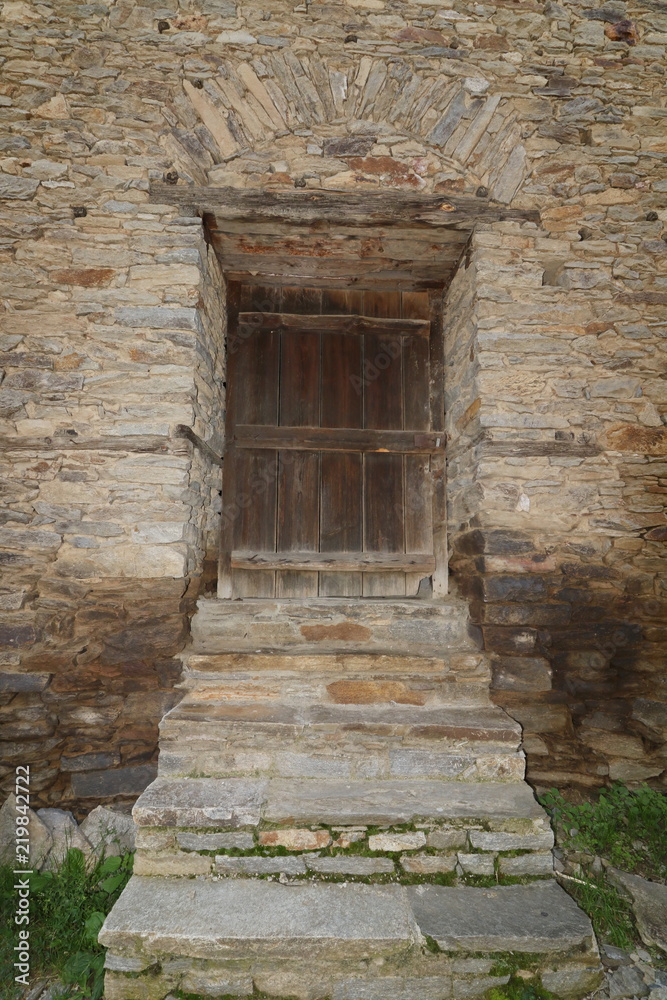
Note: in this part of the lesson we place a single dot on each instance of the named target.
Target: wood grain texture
(343, 439)
(387, 562)
(332, 323)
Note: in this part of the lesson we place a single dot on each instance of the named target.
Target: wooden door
(333, 478)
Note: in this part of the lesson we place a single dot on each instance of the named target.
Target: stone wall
(555, 383)
(112, 323)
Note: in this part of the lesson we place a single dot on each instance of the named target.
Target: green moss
(626, 826)
(519, 989)
(507, 963)
(432, 945)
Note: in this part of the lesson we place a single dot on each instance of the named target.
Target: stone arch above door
(294, 120)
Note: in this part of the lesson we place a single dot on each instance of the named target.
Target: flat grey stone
(21, 188)
(445, 840)
(230, 802)
(649, 903)
(209, 985)
(117, 781)
(121, 963)
(626, 982)
(575, 982)
(428, 864)
(215, 841)
(527, 864)
(463, 988)
(15, 683)
(235, 918)
(65, 833)
(393, 988)
(159, 317)
(380, 802)
(352, 865)
(534, 918)
(485, 841)
(476, 864)
(259, 866)
(109, 831)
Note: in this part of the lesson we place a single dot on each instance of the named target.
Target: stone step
(334, 625)
(406, 682)
(209, 735)
(238, 803)
(344, 942)
(427, 828)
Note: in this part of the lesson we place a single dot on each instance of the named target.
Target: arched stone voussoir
(346, 129)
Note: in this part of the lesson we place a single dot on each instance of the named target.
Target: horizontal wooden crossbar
(343, 562)
(337, 439)
(314, 323)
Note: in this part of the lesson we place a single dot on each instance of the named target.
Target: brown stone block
(635, 438)
(542, 718)
(296, 840)
(510, 639)
(613, 744)
(370, 692)
(526, 587)
(534, 615)
(521, 673)
(495, 43)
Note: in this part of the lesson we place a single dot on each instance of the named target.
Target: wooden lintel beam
(337, 439)
(334, 323)
(337, 562)
(302, 207)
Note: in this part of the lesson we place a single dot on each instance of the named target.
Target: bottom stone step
(344, 942)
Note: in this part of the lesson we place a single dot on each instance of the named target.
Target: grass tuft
(68, 907)
(627, 827)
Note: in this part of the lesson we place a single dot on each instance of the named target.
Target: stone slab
(259, 866)
(533, 918)
(232, 802)
(237, 802)
(354, 802)
(484, 840)
(343, 865)
(649, 903)
(393, 988)
(332, 625)
(234, 918)
(215, 841)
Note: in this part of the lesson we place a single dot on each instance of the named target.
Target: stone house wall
(113, 317)
(556, 505)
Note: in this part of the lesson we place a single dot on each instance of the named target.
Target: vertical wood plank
(298, 518)
(438, 467)
(383, 519)
(418, 512)
(255, 520)
(300, 379)
(383, 474)
(298, 481)
(254, 382)
(417, 416)
(341, 515)
(341, 528)
(225, 583)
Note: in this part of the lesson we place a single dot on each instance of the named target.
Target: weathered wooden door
(333, 478)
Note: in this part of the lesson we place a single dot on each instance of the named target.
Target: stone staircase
(340, 812)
